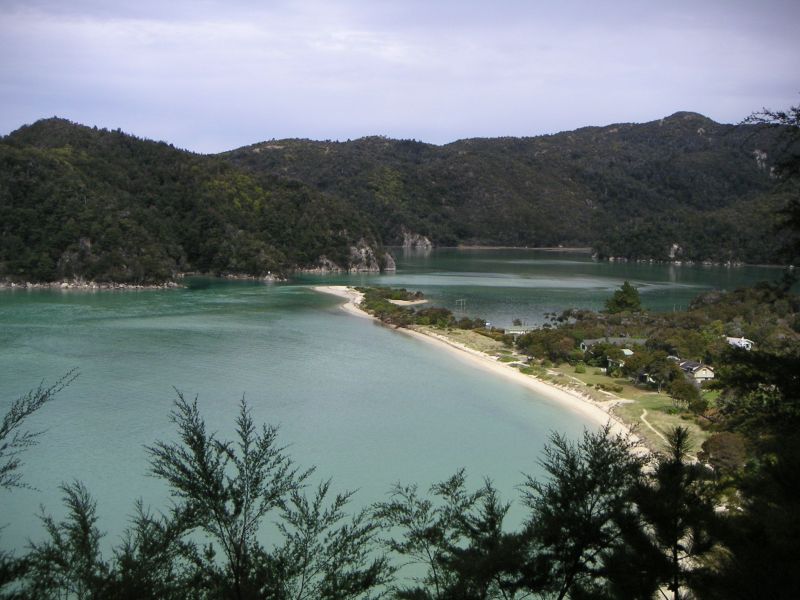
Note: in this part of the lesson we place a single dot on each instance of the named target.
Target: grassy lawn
(661, 413)
(470, 339)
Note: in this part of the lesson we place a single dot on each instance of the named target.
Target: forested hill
(626, 190)
(106, 206)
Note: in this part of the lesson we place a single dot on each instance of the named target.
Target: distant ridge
(679, 188)
(77, 201)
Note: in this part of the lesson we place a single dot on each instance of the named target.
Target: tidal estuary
(365, 405)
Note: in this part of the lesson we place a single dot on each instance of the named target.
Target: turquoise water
(367, 405)
(507, 284)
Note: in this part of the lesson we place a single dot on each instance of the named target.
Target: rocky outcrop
(323, 266)
(674, 251)
(363, 259)
(415, 241)
(81, 284)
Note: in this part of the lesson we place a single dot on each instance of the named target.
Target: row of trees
(598, 526)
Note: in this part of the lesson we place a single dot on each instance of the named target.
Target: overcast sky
(213, 75)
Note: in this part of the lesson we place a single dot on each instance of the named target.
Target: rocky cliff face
(415, 241)
(388, 262)
(364, 258)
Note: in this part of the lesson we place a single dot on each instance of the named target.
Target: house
(696, 371)
(740, 342)
(618, 363)
(518, 330)
(614, 341)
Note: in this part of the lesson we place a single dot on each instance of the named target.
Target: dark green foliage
(684, 392)
(467, 323)
(210, 545)
(787, 167)
(556, 345)
(600, 354)
(676, 507)
(13, 440)
(761, 538)
(377, 302)
(69, 562)
(629, 190)
(102, 205)
(759, 400)
(456, 537)
(726, 450)
(575, 514)
(228, 490)
(434, 316)
(761, 389)
(624, 299)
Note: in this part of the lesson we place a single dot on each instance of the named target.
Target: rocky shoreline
(77, 284)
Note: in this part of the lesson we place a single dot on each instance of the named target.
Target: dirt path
(644, 420)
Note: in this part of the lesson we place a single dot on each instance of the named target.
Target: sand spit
(570, 399)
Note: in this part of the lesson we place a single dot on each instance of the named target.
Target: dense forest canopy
(82, 202)
(103, 205)
(628, 190)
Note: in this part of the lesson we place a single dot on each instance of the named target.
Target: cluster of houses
(696, 372)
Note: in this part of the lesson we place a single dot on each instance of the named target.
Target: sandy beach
(572, 400)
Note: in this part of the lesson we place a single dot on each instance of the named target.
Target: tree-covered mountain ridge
(82, 202)
(680, 188)
(86, 203)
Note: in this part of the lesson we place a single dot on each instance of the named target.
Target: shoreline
(569, 399)
(571, 249)
(83, 285)
(78, 285)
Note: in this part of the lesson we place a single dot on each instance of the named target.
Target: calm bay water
(368, 406)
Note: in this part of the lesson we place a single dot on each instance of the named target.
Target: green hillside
(106, 206)
(627, 190)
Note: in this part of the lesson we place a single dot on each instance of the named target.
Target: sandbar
(568, 398)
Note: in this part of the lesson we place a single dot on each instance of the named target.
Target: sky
(211, 75)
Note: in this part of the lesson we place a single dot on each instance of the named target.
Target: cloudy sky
(213, 75)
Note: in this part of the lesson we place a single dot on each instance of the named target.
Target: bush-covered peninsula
(78, 202)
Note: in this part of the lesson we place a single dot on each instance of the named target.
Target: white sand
(352, 296)
(407, 302)
(568, 398)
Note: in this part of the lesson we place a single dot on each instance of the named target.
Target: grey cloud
(210, 76)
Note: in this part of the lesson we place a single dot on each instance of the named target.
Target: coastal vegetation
(598, 526)
(97, 205)
(77, 202)
(680, 188)
(605, 521)
(744, 422)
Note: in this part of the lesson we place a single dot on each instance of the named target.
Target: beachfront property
(740, 342)
(618, 363)
(696, 371)
(518, 330)
(622, 342)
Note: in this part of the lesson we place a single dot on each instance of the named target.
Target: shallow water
(368, 406)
